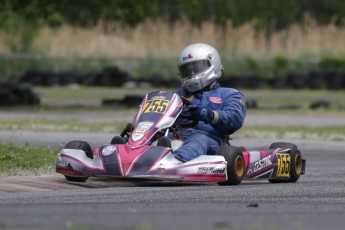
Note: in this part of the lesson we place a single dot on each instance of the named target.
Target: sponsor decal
(107, 150)
(188, 98)
(210, 170)
(216, 100)
(145, 125)
(156, 106)
(142, 131)
(136, 137)
(62, 163)
(189, 56)
(241, 102)
(284, 162)
(259, 165)
(158, 97)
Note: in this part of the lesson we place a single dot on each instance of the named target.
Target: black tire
(235, 167)
(82, 145)
(117, 140)
(76, 179)
(164, 141)
(295, 165)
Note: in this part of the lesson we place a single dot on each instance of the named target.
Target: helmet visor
(190, 69)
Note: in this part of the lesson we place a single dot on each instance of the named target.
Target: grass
(326, 133)
(329, 133)
(25, 160)
(60, 125)
(157, 39)
(268, 98)
(85, 95)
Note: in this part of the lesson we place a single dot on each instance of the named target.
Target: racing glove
(201, 114)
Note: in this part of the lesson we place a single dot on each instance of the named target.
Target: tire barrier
(251, 103)
(252, 82)
(277, 83)
(111, 76)
(129, 101)
(114, 77)
(158, 80)
(335, 80)
(315, 80)
(43, 78)
(11, 95)
(296, 80)
(322, 103)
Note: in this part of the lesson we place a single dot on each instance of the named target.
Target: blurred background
(265, 44)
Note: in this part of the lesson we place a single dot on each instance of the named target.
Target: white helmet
(199, 65)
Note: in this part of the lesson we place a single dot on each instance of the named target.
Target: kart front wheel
(117, 140)
(76, 179)
(82, 145)
(235, 167)
(295, 162)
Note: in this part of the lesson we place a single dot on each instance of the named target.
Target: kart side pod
(280, 164)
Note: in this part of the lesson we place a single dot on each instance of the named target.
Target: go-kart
(143, 152)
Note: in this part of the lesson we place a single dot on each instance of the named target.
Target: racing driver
(217, 111)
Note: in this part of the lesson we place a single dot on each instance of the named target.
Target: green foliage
(330, 63)
(18, 65)
(22, 19)
(280, 65)
(19, 24)
(253, 65)
(267, 13)
(150, 66)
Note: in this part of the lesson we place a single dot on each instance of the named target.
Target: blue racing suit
(229, 108)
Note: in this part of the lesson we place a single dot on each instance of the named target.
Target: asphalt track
(316, 201)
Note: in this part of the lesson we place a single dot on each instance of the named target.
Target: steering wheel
(193, 122)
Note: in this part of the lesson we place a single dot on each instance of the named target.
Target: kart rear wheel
(82, 145)
(235, 167)
(295, 164)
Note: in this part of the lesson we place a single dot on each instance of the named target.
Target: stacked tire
(14, 95)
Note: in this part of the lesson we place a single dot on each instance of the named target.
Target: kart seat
(175, 144)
